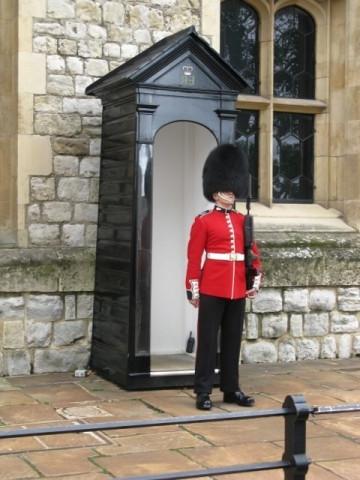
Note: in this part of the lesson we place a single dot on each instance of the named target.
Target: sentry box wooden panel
(163, 111)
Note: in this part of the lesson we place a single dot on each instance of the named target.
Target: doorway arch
(180, 150)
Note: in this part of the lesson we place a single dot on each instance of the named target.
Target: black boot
(203, 401)
(239, 398)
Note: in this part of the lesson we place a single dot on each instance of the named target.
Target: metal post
(295, 437)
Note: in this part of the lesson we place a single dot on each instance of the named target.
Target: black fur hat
(225, 170)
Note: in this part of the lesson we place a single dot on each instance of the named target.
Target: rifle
(248, 240)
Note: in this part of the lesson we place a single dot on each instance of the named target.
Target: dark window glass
(239, 40)
(247, 136)
(294, 61)
(293, 157)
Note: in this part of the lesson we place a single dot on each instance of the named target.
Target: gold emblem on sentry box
(188, 77)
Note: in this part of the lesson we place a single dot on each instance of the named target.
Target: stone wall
(302, 324)
(83, 40)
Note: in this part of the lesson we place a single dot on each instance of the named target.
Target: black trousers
(216, 312)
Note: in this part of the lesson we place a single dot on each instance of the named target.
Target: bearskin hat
(225, 170)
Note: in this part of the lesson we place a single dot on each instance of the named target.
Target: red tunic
(218, 231)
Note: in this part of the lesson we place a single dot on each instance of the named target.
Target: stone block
(95, 146)
(96, 67)
(57, 124)
(44, 307)
(120, 34)
(96, 31)
(75, 30)
(70, 146)
(17, 362)
(50, 28)
(114, 12)
(37, 334)
(296, 300)
(316, 324)
(32, 72)
(47, 104)
(328, 347)
(86, 212)
(85, 306)
(156, 20)
(356, 344)
(64, 359)
(307, 349)
(13, 334)
(90, 48)
(84, 106)
(287, 352)
(345, 346)
(60, 85)
(12, 308)
(67, 47)
(73, 235)
(66, 165)
(322, 299)
(55, 63)
(81, 82)
(56, 212)
(349, 299)
(112, 50)
(158, 35)
(259, 352)
(94, 190)
(42, 188)
(68, 332)
(61, 9)
(70, 307)
(88, 11)
(33, 213)
(90, 235)
(90, 167)
(274, 326)
(252, 326)
(73, 189)
(75, 65)
(43, 234)
(142, 36)
(45, 44)
(267, 301)
(342, 323)
(129, 51)
(296, 325)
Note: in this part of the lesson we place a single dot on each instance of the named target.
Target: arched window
(294, 53)
(293, 157)
(239, 43)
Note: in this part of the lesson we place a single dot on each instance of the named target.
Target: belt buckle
(232, 256)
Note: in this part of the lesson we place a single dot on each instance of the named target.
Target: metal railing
(294, 462)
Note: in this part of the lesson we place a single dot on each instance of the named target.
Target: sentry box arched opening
(163, 111)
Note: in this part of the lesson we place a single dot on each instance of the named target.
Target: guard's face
(227, 198)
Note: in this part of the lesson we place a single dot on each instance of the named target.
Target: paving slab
(235, 454)
(146, 463)
(14, 468)
(25, 414)
(345, 469)
(63, 462)
(152, 442)
(15, 397)
(17, 445)
(68, 394)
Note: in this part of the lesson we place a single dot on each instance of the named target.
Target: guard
(218, 286)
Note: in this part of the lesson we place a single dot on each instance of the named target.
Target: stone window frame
(267, 104)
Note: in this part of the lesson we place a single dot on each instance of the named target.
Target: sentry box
(163, 111)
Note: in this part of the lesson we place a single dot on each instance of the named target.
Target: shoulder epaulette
(205, 212)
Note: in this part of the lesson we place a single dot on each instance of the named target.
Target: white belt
(238, 257)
